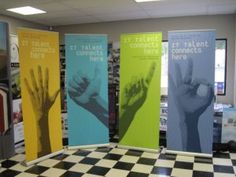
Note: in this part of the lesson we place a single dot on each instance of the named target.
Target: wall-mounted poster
(64, 122)
(18, 122)
(87, 88)
(15, 71)
(191, 91)
(6, 127)
(115, 64)
(62, 78)
(140, 68)
(16, 92)
(14, 50)
(40, 78)
(228, 125)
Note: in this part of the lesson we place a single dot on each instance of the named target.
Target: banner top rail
(192, 30)
(142, 33)
(84, 34)
(40, 30)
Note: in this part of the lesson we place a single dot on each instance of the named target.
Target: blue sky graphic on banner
(191, 91)
(86, 83)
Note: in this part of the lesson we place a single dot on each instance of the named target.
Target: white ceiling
(65, 12)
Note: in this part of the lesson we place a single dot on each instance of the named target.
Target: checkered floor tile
(115, 162)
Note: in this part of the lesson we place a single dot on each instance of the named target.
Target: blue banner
(87, 88)
(191, 91)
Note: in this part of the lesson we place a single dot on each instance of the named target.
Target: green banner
(139, 111)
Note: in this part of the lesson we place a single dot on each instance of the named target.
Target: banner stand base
(139, 148)
(42, 158)
(187, 153)
(88, 146)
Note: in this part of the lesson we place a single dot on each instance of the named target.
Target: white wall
(224, 25)
(16, 23)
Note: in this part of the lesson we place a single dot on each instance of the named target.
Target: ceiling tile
(75, 20)
(50, 7)
(112, 6)
(123, 16)
(84, 3)
(177, 10)
(61, 14)
(4, 4)
(221, 9)
(176, 4)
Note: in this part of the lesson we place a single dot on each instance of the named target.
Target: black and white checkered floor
(114, 162)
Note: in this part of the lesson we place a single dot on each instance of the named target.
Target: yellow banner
(40, 87)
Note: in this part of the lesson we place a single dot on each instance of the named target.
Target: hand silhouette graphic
(84, 91)
(192, 96)
(41, 104)
(133, 97)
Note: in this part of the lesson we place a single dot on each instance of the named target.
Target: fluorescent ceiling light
(146, 0)
(26, 10)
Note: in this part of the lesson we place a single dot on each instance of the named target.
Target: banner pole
(88, 146)
(139, 149)
(42, 158)
(187, 153)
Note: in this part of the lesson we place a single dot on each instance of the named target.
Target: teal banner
(87, 89)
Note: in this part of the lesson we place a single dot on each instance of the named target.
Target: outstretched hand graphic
(192, 97)
(84, 91)
(133, 97)
(41, 104)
